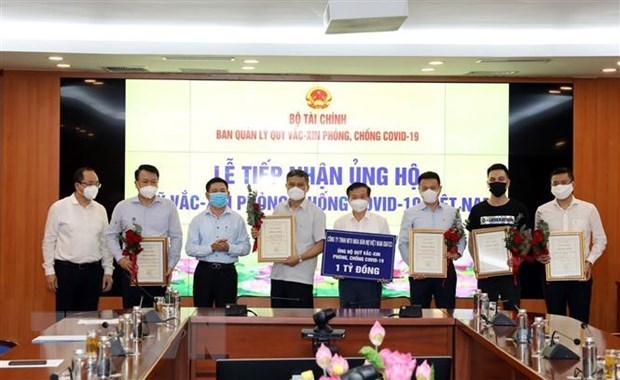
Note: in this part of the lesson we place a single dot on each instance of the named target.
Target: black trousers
(502, 286)
(79, 286)
(574, 294)
(354, 293)
(215, 284)
(133, 295)
(443, 289)
(293, 295)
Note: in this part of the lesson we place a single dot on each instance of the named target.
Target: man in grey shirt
(158, 217)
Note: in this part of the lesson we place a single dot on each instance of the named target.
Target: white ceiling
(552, 38)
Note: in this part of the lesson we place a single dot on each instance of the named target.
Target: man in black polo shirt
(497, 211)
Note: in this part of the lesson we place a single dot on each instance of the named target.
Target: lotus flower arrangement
(393, 365)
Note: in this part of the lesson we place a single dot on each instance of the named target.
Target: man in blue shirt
(430, 214)
(216, 237)
(158, 217)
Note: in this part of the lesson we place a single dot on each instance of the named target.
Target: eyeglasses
(97, 184)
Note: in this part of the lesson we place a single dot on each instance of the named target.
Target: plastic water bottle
(588, 356)
(522, 333)
(538, 335)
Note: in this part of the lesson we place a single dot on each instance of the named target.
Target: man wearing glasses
(77, 263)
(567, 213)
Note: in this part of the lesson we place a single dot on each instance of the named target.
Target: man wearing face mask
(292, 280)
(567, 213)
(77, 263)
(157, 217)
(354, 293)
(216, 237)
(497, 211)
(430, 214)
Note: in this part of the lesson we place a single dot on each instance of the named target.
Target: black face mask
(497, 188)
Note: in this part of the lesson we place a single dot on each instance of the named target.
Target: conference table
(277, 333)
(483, 351)
(163, 355)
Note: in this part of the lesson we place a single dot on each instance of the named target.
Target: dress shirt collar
(574, 202)
(365, 217)
(303, 205)
(227, 210)
(75, 201)
(136, 199)
(424, 206)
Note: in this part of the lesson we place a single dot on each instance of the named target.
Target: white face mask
(562, 192)
(359, 205)
(429, 195)
(90, 192)
(296, 194)
(148, 192)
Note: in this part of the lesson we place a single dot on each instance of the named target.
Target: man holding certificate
(158, 218)
(498, 211)
(569, 214)
(434, 218)
(216, 237)
(358, 293)
(292, 278)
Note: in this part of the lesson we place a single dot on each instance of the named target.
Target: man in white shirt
(77, 263)
(567, 213)
(355, 293)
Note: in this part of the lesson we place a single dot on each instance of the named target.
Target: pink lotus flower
(377, 333)
(338, 366)
(323, 357)
(398, 366)
(423, 372)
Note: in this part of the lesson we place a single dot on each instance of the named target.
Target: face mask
(218, 199)
(429, 195)
(562, 191)
(359, 205)
(90, 192)
(296, 194)
(497, 188)
(148, 192)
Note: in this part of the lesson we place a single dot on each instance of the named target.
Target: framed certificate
(566, 251)
(490, 253)
(427, 253)
(153, 261)
(276, 239)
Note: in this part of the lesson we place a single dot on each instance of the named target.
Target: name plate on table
(490, 254)
(276, 239)
(427, 253)
(358, 255)
(153, 261)
(566, 251)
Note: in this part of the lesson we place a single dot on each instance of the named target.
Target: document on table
(59, 338)
(30, 363)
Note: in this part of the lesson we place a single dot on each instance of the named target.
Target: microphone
(559, 351)
(585, 326)
(353, 303)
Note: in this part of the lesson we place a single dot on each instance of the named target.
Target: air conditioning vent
(126, 69)
(513, 60)
(203, 71)
(491, 73)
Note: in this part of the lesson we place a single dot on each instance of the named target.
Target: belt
(81, 266)
(217, 266)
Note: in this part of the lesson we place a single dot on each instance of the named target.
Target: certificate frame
(432, 236)
(153, 261)
(479, 257)
(276, 226)
(576, 239)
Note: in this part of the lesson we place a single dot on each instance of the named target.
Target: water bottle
(588, 356)
(538, 335)
(79, 365)
(522, 333)
(484, 304)
(136, 316)
(104, 362)
(477, 305)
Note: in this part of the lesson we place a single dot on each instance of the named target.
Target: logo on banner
(318, 98)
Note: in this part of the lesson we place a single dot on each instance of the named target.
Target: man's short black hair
(357, 185)
(429, 175)
(78, 174)
(563, 170)
(298, 173)
(498, 167)
(146, 168)
(216, 180)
